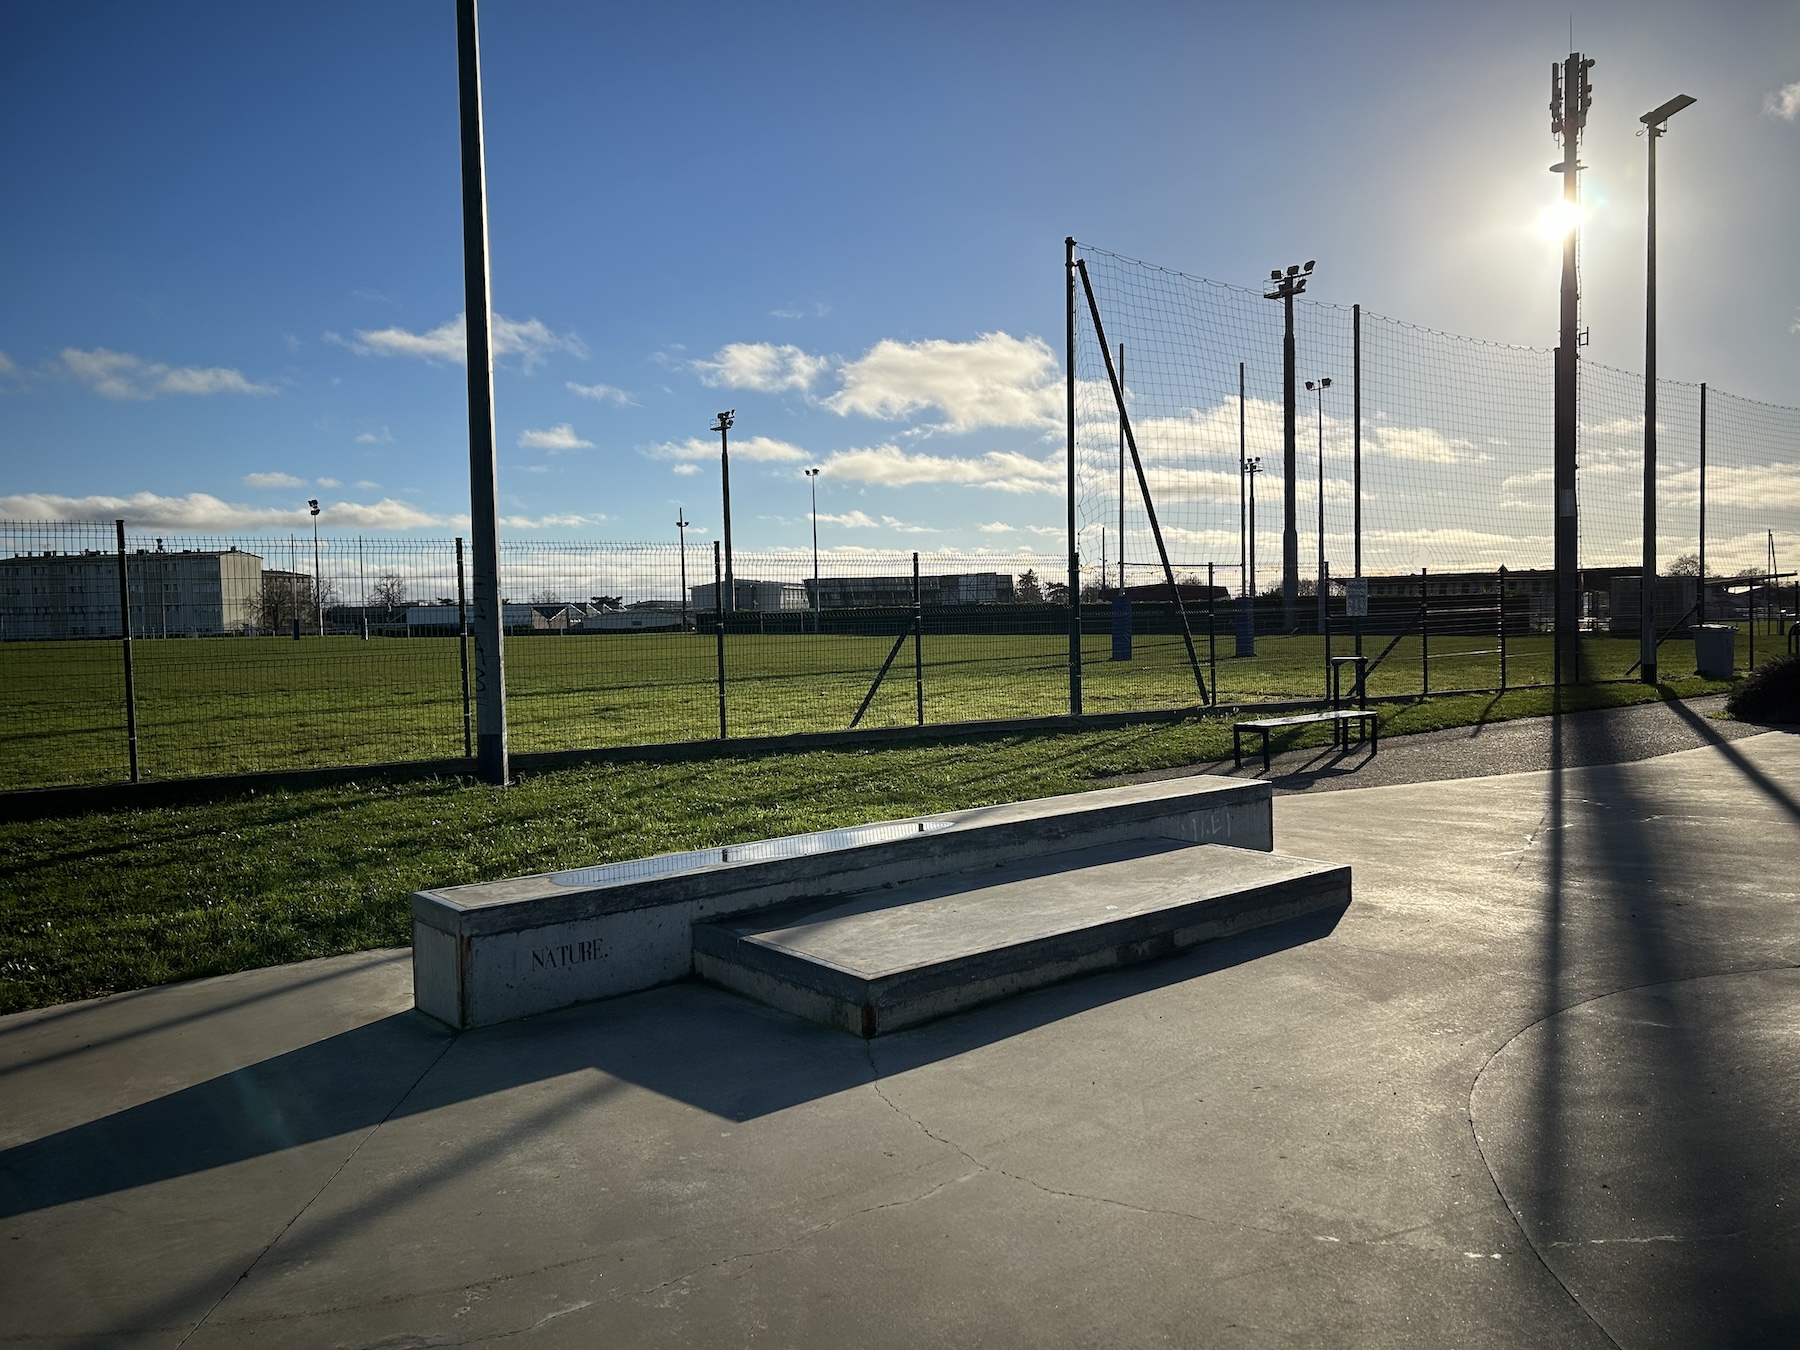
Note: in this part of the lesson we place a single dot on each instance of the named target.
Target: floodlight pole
(1069, 265)
(318, 583)
(1570, 97)
(491, 758)
(728, 600)
(1655, 124)
(1287, 285)
(1252, 467)
(681, 524)
(812, 477)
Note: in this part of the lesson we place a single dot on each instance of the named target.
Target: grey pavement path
(1597, 736)
(1540, 1085)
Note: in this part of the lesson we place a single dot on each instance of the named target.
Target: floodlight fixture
(725, 420)
(1294, 269)
(313, 502)
(1274, 274)
(1309, 265)
(1657, 116)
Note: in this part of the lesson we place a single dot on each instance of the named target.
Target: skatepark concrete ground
(1538, 1085)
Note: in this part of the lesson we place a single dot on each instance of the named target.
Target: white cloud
(555, 439)
(367, 486)
(686, 470)
(761, 448)
(550, 522)
(1784, 102)
(273, 480)
(995, 381)
(382, 437)
(120, 375)
(530, 340)
(890, 466)
(762, 366)
(328, 482)
(600, 393)
(7, 366)
(201, 511)
(998, 527)
(1425, 444)
(850, 520)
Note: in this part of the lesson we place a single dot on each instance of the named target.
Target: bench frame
(1367, 722)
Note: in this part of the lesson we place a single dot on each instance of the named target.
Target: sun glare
(1557, 219)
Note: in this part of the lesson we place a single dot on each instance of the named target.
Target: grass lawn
(118, 900)
(235, 704)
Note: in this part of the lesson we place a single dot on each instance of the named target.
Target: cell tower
(1571, 95)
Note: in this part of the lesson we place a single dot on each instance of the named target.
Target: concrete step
(879, 960)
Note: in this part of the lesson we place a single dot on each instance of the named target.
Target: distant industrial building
(755, 595)
(189, 593)
(963, 588)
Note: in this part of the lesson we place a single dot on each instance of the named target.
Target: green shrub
(1770, 693)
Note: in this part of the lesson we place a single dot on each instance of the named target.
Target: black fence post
(719, 628)
(1502, 607)
(131, 736)
(918, 617)
(1424, 632)
(462, 650)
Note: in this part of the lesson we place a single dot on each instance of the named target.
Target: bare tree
(389, 591)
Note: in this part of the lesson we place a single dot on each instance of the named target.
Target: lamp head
(1294, 270)
(1325, 383)
(313, 502)
(1309, 264)
(1657, 116)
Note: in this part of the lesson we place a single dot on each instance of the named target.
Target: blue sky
(233, 249)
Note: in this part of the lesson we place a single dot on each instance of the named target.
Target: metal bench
(1367, 722)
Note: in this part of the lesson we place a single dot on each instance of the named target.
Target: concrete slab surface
(893, 957)
(1535, 1088)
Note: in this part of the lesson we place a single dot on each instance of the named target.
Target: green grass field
(116, 900)
(232, 705)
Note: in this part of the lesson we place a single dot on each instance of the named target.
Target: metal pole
(1701, 603)
(1424, 632)
(1324, 617)
(1121, 482)
(918, 644)
(1570, 96)
(131, 731)
(362, 580)
(812, 476)
(1290, 534)
(1074, 555)
(719, 631)
(1137, 463)
(462, 651)
(1243, 473)
(1212, 637)
(1503, 628)
(492, 761)
(318, 579)
(1356, 446)
(1647, 598)
(728, 598)
(681, 535)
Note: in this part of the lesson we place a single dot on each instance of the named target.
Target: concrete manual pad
(1584, 977)
(876, 962)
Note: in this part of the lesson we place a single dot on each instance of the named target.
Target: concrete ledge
(506, 949)
(890, 959)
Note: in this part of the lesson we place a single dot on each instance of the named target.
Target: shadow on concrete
(690, 1042)
(1622, 913)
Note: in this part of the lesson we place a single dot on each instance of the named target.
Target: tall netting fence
(1457, 454)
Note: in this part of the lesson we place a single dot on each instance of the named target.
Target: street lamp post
(1319, 387)
(681, 524)
(728, 601)
(1252, 467)
(1655, 124)
(318, 583)
(812, 478)
(1287, 285)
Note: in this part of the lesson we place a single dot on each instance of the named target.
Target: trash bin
(1715, 650)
